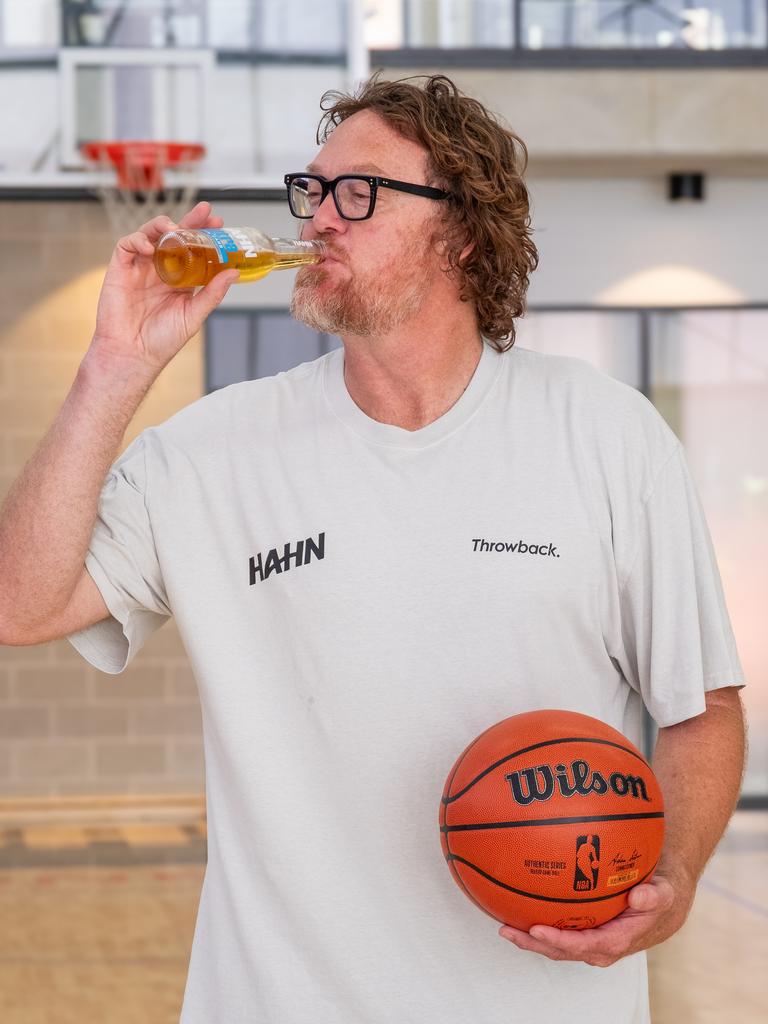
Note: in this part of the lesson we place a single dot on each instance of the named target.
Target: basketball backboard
(243, 79)
(132, 93)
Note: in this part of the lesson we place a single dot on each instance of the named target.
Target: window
(567, 24)
(31, 27)
(250, 26)
(244, 345)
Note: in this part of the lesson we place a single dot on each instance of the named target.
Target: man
(328, 541)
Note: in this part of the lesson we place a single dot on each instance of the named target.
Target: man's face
(382, 269)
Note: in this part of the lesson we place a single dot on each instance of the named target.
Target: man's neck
(414, 376)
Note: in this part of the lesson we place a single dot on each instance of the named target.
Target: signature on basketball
(620, 861)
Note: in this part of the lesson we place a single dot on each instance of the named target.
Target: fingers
(200, 217)
(652, 896)
(208, 298)
(130, 246)
(156, 227)
(523, 940)
(558, 945)
(651, 917)
(143, 241)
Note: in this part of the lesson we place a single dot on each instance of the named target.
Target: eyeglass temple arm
(417, 190)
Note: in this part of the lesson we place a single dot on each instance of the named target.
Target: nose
(326, 218)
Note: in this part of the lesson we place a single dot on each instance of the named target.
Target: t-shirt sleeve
(123, 562)
(676, 640)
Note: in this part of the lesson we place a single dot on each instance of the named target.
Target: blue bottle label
(224, 242)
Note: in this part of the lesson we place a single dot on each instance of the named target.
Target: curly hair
(481, 163)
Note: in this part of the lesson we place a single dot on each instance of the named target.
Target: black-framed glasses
(353, 194)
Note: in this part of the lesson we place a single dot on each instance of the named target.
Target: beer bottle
(186, 258)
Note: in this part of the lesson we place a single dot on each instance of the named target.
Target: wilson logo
(539, 783)
(302, 554)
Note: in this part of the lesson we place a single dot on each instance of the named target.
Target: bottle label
(244, 243)
(224, 242)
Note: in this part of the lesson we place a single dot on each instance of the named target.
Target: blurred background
(647, 128)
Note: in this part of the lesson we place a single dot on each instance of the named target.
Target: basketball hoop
(133, 185)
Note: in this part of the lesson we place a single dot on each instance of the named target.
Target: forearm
(47, 518)
(699, 764)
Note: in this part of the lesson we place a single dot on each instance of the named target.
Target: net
(138, 180)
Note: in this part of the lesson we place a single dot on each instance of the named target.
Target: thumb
(644, 897)
(209, 297)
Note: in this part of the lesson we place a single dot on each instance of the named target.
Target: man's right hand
(142, 322)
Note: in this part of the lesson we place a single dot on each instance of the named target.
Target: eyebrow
(355, 169)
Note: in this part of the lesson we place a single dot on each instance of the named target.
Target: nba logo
(587, 863)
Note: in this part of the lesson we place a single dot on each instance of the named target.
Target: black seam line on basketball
(537, 746)
(461, 761)
(552, 821)
(444, 807)
(460, 882)
(551, 899)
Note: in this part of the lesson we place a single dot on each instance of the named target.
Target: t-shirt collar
(344, 407)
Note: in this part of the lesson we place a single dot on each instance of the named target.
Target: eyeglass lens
(353, 196)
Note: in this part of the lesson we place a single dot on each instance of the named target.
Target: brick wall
(66, 728)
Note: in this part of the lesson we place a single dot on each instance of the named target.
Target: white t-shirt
(358, 602)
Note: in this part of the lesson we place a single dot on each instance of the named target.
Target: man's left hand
(656, 910)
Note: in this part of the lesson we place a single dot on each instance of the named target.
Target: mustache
(332, 251)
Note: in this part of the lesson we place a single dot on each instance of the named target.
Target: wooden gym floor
(97, 924)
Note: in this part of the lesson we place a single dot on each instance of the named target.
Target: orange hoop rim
(145, 157)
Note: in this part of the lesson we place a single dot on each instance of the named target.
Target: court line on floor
(741, 901)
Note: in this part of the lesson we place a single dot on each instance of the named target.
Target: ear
(441, 245)
(466, 251)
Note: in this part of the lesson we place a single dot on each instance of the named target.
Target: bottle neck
(297, 246)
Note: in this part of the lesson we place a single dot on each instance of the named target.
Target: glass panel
(255, 343)
(608, 24)
(134, 102)
(492, 23)
(384, 25)
(295, 26)
(283, 342)
(608, 340)
(149, 23)
(229, 24)
(138, 101)
(618, 24)
(33, 24)
(454, 23)
(422, 23)
(278, 26)
(94, 103)
(227, 349)
(710, 381)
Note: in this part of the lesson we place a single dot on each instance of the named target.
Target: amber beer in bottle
(186, 258)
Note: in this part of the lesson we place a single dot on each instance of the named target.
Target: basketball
(551, 817)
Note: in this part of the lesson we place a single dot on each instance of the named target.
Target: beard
(368, 303)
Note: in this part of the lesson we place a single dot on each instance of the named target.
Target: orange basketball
(551, 817)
